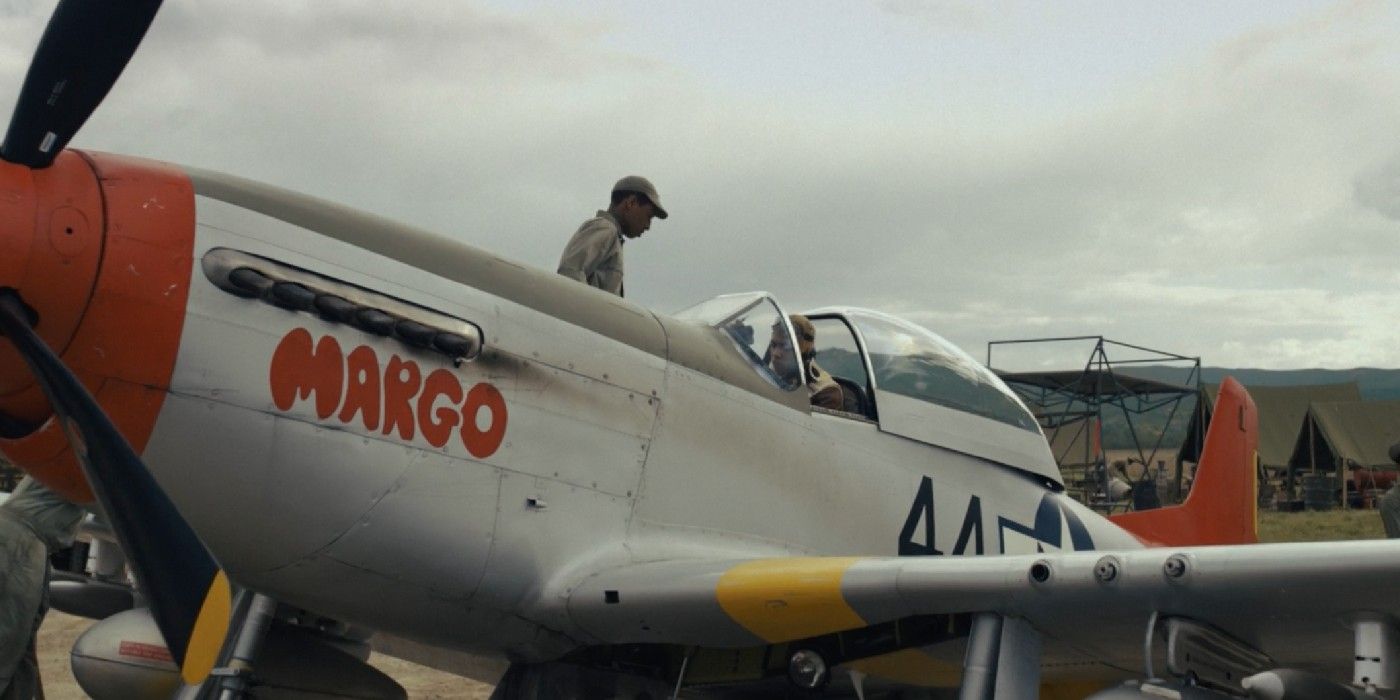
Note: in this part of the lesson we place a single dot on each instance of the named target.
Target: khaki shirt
(594, 255)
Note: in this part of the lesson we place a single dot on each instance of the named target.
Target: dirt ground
(59, 630)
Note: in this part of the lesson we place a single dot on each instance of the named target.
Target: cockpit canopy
(913, 361)
(909, 380)
(760, 331)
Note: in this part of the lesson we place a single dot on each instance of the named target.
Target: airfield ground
(1320, 527)
(59, 631)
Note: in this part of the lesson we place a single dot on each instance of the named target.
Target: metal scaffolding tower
(1144, 390)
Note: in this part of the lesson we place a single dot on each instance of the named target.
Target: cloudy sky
(1212, 179)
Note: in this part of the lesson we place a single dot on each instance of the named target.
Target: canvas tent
(1350, 433)
(1102, 385)
(1281, 411)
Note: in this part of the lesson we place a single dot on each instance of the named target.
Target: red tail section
(1222, 507)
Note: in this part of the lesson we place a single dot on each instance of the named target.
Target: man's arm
(52, 518)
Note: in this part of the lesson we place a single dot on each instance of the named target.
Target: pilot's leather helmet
(803, 328)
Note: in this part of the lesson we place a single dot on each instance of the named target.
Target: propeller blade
(189, 594)
(82, 52)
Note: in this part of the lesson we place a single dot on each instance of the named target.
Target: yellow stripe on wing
(785, 599)
(209, 631)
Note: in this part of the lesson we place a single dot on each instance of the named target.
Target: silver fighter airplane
(307, 425)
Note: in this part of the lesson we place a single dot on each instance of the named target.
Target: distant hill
(1375, 384)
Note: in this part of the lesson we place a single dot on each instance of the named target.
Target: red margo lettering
(407, 402)
(298, 371)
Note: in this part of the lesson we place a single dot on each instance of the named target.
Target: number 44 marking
(922, 511)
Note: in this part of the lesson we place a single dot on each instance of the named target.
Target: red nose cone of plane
(100, 248)
(51, 225)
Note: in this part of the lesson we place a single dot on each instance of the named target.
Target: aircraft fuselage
(335, 463)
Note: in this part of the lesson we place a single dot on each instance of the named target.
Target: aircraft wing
(1290, 605)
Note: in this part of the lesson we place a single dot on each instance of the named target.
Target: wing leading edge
(1292, 602)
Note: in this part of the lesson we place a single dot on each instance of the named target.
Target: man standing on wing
(594, 254)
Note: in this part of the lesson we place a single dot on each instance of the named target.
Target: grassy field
(1312, 526)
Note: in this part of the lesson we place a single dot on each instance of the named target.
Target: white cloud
(942, 15)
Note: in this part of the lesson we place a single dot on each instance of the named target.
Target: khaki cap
(642, 186)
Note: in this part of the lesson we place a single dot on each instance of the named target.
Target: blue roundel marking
(1047, 528)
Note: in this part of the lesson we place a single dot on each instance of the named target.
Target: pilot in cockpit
(824, 391)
